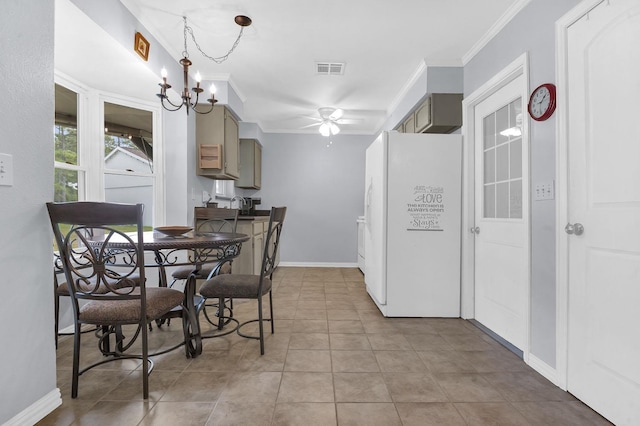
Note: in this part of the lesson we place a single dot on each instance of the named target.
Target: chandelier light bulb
(198, 78)
(212, 89)
(163, 72)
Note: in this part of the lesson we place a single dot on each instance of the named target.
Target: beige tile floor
(334, 360)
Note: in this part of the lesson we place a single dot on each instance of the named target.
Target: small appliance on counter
(249, 206)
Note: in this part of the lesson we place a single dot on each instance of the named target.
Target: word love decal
(426, 208)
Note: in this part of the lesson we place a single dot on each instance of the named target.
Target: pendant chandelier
(187, 101)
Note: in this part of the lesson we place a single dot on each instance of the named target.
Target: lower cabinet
(250, 259)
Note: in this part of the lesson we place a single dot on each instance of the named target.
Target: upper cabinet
(250, 164)
(409, 125)
(218, 147)
(439, 113)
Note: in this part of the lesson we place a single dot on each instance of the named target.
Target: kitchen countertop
(259, 215)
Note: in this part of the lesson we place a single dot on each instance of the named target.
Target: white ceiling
(382, 43)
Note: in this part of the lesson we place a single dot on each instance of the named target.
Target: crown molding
(408, 85)
(498, 26)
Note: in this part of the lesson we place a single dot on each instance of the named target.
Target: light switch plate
(6, 169)
(544, 191)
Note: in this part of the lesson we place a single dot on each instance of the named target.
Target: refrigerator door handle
(367, 206)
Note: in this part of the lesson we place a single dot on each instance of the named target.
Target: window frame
(90, 138)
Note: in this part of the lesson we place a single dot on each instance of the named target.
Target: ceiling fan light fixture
(325, 130)
(328, 128)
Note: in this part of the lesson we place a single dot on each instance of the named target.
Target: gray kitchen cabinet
(250, 259)
(439, 113)
(218, 146)
(250, 164)
(409, 124)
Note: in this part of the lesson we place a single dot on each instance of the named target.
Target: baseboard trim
(317, 265)
(544, 369)
(38, 410)
(498, 338)
(534, 362)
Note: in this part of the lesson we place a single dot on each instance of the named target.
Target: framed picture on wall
(141, 46)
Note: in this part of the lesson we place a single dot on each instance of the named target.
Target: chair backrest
(272, 240)
(213, 219)
(82, 231)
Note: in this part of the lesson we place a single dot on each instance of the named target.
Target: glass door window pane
(490, 201)
(502, 163)
(489, 131)
(490, 166)
(515, 199)
(502, 166)
(502, 200)
(515, 160)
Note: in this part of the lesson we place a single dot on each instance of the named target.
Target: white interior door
(502, 215)
(603, 366)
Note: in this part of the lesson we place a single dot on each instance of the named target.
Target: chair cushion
(234, 286)
(160, 300)
(183, 272)
(63, 289)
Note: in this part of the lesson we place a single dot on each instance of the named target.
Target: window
(503, 162)
(221, 188)
(69, 178)
(128, 157)
(106, 148)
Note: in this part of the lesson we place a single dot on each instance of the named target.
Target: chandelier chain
(217, 60)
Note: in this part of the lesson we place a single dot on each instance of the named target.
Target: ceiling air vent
(329, 68)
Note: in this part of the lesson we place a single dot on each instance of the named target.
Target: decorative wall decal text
(425, 208)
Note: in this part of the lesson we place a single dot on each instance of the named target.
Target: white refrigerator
(413, 223)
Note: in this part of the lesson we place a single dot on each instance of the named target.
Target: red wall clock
(542, 102)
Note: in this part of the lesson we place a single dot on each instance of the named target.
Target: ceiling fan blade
(348, 121)
(335, 115)
(311, 125)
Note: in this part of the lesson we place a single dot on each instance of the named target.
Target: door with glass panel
(501, 215)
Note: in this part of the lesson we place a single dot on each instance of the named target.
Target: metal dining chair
(210, 220)
(99, 296)
(240, 286)
(205, 220)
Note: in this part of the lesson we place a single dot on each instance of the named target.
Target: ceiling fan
(329, 120)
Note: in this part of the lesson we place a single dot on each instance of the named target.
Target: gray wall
(533, 31)
(28, 360)
(323, 189)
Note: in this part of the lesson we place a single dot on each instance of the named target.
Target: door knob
(575, 229)
(475, 230)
